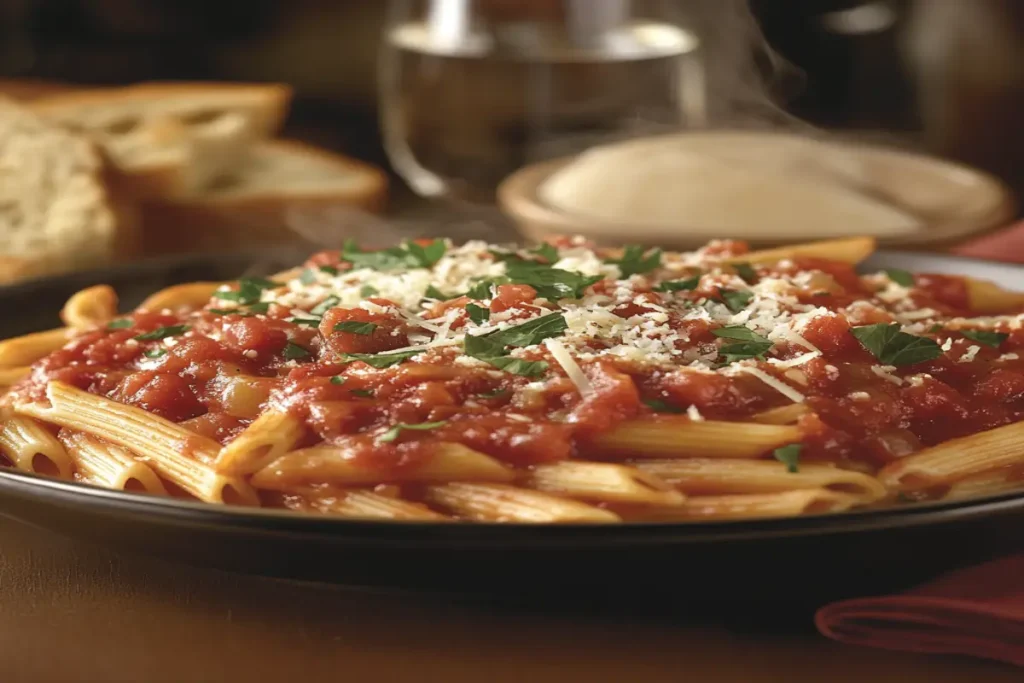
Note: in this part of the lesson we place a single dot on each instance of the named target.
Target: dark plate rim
(276, 521)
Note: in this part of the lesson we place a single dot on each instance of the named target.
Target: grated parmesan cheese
(780, 386)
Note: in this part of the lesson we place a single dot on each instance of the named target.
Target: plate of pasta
(646, 410)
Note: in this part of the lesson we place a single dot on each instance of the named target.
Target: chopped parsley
(305, 322)
(435, 293)
(260, 307)
(493, 394)
(735, 300)
(120, 324)
(362, 393)
(337, 379)
(478, 314)
(393, 433)
(355, 327)
(739, 333)
(249, 291)
(329, 270)
(482, 289)
(893, 347)
(491, 347)
(746, 271)
(935, 328)
(659, 406)
(407, 255)
(380, 360)
(551, 283)
(368, 290)
(223, 311)
(546, 251)
(679, 285)
(789, 456)
(750, 344)
(293, 351)
(162, 332)
(154, 353)
(993, 339)
(324, 306)
(900, 277)
(637, 260)
(308, 276)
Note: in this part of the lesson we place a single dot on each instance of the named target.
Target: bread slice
(59, 208)
(269, 200)
(173, 139)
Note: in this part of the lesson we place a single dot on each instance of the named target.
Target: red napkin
(1005, 245)
(977, 611)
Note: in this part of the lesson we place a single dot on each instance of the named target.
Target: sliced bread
(59, 206)
(173, 139)
(279, 180)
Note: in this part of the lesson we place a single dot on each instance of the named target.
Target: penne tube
(32, 448)
(160, 443)
(104, 464)
(602, 482)
(363, 505)
(784, 415)
(244, 395)
(268, 438)
(986, 484)
(192, 295)
(703, 476)
(989, 298)
(11, 376)
(91, 307)
(956, 459)
(851, 250)
(670, 437)
(29, 348)
(334, 465)
(502, 503)
(778, 504)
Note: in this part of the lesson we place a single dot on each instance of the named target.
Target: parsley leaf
(435, 293)
(363, 393)
(223, 311)
(901, 277)
(893, 347)
(478, 314)
(529, 333)
(935, 328)
(308, 276)
(324, 306)
(329, 270)
(546, 251)
(337, 379)
(305, 322)
(744, 350)
(493, 394)
(426, 256)
(393, 433)
(368, 290)
(660, 406)
(636, 260)
(249, 290)
(154, 353)
(260, 307)
(746, 271)
(678, 285)
(293, 351)
(551, 283)
(482, 289)
(740, 333)
(355, 327)
(517, 366)
(789, 456)
(380, 360)
(120, 324)
(993, 339)
(407, 255)
(735, 301)
(161, 332)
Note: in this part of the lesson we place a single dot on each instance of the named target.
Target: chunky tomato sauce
(216, 369)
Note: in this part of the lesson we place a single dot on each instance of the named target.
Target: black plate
(797, 562)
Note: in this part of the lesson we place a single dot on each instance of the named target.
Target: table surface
(76, 612)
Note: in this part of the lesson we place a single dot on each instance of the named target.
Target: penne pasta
(159, 442)
(701, 476)
(363, 505)
(188, 296)
(956, 459)
(502, 503)
(987, 297)
(986, 484)
(91, 307)
(27, 349)
(784, 415)
(665, 437)
(778, 504)
(334, 465)
(851, 250)
(268, 438)
(11, 376)
(602, 482)
(104, 464)
(32, 448)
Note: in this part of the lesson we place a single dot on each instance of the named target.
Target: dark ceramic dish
(796, 562)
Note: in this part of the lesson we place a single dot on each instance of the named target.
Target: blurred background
(943, 75)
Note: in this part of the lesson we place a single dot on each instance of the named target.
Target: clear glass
(471, 90)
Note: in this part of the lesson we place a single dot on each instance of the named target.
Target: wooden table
(73, 612)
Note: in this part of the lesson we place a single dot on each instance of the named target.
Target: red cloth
(977, 611)
(1005, 245)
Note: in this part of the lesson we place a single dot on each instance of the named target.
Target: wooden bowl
(971, 203)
